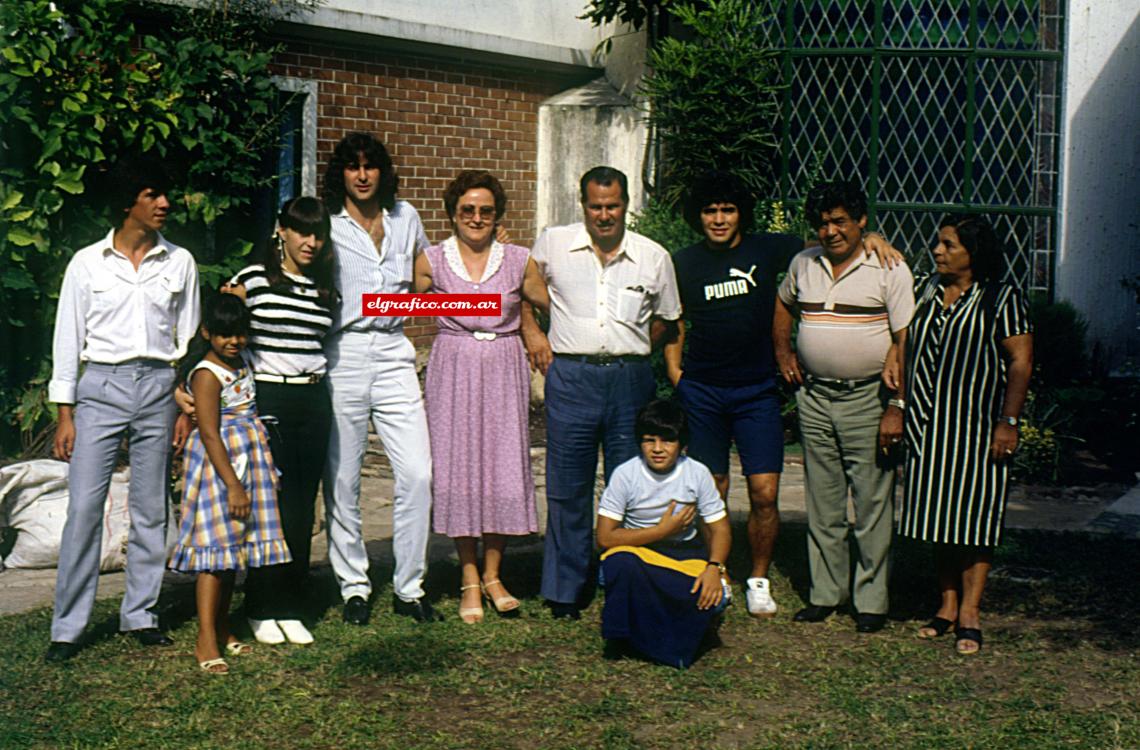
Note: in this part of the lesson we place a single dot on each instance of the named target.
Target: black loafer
(418, 609)
(865, 623)
(564, 611)
(60, 651)
(357, 610)
(813, 613)
(151, 637)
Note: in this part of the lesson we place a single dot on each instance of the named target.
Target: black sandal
(939, 625)
(967, 634)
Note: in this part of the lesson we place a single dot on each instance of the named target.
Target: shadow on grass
(1060, 587)
(426, 650)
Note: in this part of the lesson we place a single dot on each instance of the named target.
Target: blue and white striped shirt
(358, 269)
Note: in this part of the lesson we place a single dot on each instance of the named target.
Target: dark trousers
(298, 419)
(585, 404)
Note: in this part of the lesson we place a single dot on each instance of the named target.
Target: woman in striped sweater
(290, 297)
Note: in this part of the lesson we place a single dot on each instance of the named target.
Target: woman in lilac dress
(477, 392)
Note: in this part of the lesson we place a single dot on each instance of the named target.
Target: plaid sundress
(208, 538)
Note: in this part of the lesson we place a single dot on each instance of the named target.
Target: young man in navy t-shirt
(728, 382)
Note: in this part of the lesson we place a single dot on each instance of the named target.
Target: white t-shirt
(637, 496)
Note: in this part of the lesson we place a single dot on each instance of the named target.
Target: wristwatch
(897, 402)
(719, 566)
(1011, 421)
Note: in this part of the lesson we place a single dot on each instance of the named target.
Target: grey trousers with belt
(132, 399)
(840, 430)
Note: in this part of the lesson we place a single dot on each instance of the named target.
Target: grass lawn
(1059, 669)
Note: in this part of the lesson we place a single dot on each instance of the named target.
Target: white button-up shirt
(110, 313)
(358, 269)
(604, 309)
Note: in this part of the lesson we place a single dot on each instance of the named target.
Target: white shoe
(295, 631)
(266, 631)
(758, 597)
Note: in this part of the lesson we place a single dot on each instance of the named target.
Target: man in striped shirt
(372, 375)
(851, 308)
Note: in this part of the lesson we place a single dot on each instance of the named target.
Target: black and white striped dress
(956, 380)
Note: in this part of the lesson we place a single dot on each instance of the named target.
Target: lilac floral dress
(477, 394)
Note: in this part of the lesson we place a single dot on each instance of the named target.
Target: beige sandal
(502, 604)
(211, 666)
(470, 615)
(237, 648)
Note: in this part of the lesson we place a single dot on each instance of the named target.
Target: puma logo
(734, 287)
(742, 275)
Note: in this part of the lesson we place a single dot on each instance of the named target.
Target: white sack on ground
(33, 501)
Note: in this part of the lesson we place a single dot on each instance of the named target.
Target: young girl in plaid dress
(229, 499)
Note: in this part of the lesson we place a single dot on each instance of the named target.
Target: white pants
(373, 375)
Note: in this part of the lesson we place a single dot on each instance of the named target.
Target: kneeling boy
(663, 580)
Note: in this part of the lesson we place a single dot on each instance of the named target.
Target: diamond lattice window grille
(922, 130)
(834, 23)
(1009, 24)
(913, 232)
(1005, 132)
(1024, 237)
(925, 126)
(831, 121)
(925, 23)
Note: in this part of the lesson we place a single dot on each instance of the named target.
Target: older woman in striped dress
(967, 363)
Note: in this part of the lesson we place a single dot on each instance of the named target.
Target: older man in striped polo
(851, 308)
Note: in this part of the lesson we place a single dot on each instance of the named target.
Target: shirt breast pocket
(163, 292)
(107, 292)
(630, 302)
(404, 263)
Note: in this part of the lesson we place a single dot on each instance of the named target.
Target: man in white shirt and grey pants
(127, 309)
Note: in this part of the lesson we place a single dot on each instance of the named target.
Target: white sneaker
(758, 597)
(296, 632)
(266, 631)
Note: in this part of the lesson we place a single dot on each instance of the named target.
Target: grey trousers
(132, 399)
(840, 431)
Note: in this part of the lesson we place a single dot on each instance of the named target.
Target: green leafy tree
(85, 82)
(714, 96)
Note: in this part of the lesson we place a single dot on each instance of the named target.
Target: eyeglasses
(487, 213)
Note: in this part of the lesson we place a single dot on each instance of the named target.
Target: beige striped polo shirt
(846, 322)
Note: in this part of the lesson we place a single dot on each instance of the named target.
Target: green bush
(81, 85)
(713, 96)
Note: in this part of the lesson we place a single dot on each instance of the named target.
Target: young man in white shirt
(127, 309)
(372, 376)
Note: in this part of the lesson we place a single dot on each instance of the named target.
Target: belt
(136, 362)
(604, 360)
(309, 379)
(479, 335)
(840, 385)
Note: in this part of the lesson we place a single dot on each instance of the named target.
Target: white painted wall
(545, 30)
(1100, 171)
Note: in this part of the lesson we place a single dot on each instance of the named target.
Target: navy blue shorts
(747, 415)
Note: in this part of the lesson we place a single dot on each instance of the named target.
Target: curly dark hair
(473, 179)
(977, 235)
(129, 177)
(347, 153)
(826, 196)
(716, 186)
(305, 215)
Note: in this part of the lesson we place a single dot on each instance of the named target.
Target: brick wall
(437, 118)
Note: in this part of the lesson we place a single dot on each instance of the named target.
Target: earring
(281, 248)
